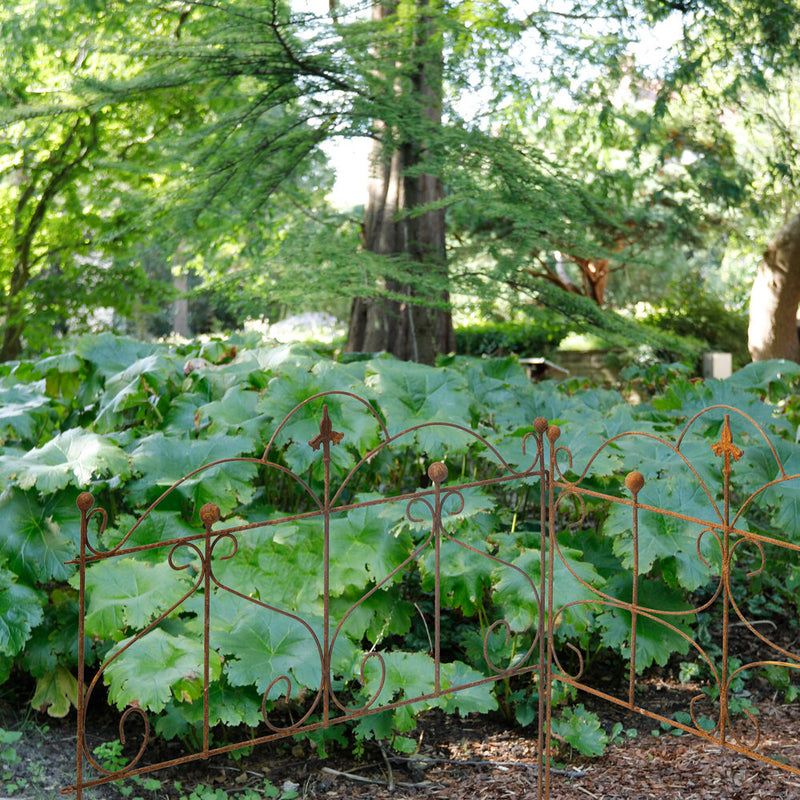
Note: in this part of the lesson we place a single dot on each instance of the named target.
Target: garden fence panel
(648, 514)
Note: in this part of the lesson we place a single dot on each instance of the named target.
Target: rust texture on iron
(565, 492)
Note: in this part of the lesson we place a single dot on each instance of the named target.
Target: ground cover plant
(126, 420)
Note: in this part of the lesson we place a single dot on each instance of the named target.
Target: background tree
(558, 158)
(738, 63)
(775, 298)
(404, 213)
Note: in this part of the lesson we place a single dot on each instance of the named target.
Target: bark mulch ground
(458, 759)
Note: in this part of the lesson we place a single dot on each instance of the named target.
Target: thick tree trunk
(407, 330)
(775, 297)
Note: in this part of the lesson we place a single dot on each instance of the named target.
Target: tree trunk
(775, 297)
(180, 307)
(405, 329)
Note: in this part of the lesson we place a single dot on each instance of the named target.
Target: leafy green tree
(268, 84)
(70, 216)
(737, 62)
(533, 133)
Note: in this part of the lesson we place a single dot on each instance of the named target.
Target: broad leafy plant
(127, 420)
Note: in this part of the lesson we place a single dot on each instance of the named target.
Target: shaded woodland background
(577, 166)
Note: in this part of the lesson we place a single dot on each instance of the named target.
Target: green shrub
(536, 337)
(692, 311)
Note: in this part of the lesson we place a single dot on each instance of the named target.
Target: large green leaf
(158, 667)
(663, 538)
(110, 354)
(683, 399)
(782, 501)
(516, 448)
(62, 373)
(24, 413)
(20, 612)
(655, 642)
(182, 419)
(233, 413)
(277, 358)
(476, 699)
(227, 705)
(40, 534)
(364, 549)
(383, 614)
(581, 729)
(141, 387)
(413, 394)
(406, 675)
(260, 645)
(126, 594)
(162, 461)
(518, 600)
(280, 565)
(505, 395)
(157, 526)
(56, 693)
(294, 385)
(74, 457)
(465, 574)
(760, 377)
(54, 641)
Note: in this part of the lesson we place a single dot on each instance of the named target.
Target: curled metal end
(634, 481)
(210, 513)
(437, 472)
(85, 501)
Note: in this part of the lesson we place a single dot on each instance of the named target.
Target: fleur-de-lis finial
(725, 446)
(326, 432)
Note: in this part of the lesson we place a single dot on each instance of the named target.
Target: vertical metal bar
(326, 436)
(209, 514)
(540, 426)
(85, 502)
(634, 481)
(728, 450)
(553, 433)
(437, 472)
(325, 684)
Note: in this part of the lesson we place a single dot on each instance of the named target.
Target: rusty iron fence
(567, 496)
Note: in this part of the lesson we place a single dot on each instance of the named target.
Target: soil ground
(477, 757)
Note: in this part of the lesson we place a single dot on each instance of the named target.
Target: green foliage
(127, 161)
(156, 668)
(491, 565)
(7, 753)
(581, 729)
(21, 608)
(691, 310)
(536, 337)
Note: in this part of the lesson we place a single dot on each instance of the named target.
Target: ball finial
(634, 481)
(85, 501)
(209, 513)
(553, 433)
(437, 472)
